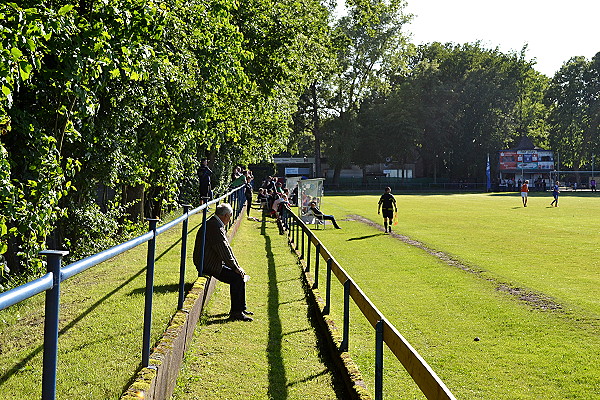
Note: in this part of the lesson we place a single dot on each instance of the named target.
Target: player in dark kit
(387, 203)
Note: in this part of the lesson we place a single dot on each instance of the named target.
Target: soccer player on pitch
(387, 203)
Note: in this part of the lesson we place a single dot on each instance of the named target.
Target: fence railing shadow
(421, 373)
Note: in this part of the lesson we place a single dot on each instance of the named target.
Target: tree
(463, 101)
(369, 42)
(573, 98)
(123, 98)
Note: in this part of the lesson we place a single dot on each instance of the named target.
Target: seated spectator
(317, 213)
(261, 197)
(220, 262)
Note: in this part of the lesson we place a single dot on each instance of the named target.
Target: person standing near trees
(525, 192)
(555, 192)
(387, 203)
(248, 195)
(204, 174)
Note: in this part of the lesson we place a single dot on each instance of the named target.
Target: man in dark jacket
(204, 174)
(220, 263)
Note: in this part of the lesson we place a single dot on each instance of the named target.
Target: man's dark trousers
(237, 288)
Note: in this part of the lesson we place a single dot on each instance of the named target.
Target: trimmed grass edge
(347, 369)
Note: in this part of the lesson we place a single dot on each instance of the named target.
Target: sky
(553, 30)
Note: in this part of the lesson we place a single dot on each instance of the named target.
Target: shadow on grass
(365, 237)
(160, 289)
(219, 319)
(308, 378)
(297, 331)
(277, 378)
(23, 362)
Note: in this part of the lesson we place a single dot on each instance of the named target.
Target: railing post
(233, 197)
(318, 254)
(241, 202)
(327, 307)
(296, 242)
(184, 235)
(346, 325)
(149, 292)
(291, 231)
(308, 255)
(379, 360)
(302, 237)
(53, 265)
(203, 242)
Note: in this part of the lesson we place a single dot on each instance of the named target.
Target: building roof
(526, 144)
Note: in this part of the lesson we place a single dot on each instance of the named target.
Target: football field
(502, 301)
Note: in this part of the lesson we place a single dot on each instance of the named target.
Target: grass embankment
(101, 324)
(274, 357)
(523, 352)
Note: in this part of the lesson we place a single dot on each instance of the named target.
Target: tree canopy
(107, 107)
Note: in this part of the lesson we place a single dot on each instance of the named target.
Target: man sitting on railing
(220, 263)
(323, 217)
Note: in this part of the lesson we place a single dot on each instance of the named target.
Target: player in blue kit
(555, 192)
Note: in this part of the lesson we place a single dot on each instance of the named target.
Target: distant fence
(50, 282)
(406, 184)
(427, 380)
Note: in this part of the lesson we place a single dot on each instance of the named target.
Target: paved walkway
(274, 357)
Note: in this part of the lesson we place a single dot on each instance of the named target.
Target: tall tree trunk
(316, 132)
(133, 196)
(336, 174)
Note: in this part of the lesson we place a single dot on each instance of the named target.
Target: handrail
(422, 374)
(81, 265)
(24, 291)
(39, 285)
(50, 283)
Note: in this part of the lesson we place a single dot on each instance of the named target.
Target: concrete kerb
(349, 371)
(158, 380)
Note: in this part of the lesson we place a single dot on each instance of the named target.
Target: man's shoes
(246, 312)
(240, 316)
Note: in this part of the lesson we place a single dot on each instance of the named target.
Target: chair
(319, 221)
(316, 219)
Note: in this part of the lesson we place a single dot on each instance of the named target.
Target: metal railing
(50, 282)
(422, 374)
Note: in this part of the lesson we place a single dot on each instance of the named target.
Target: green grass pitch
(528, 290)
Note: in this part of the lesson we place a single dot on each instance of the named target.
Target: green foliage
(453, 105)
(90, 230)
(369, 43)
(574, 100)
(129, 95)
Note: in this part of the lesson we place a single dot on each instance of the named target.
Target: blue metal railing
(50, 282)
